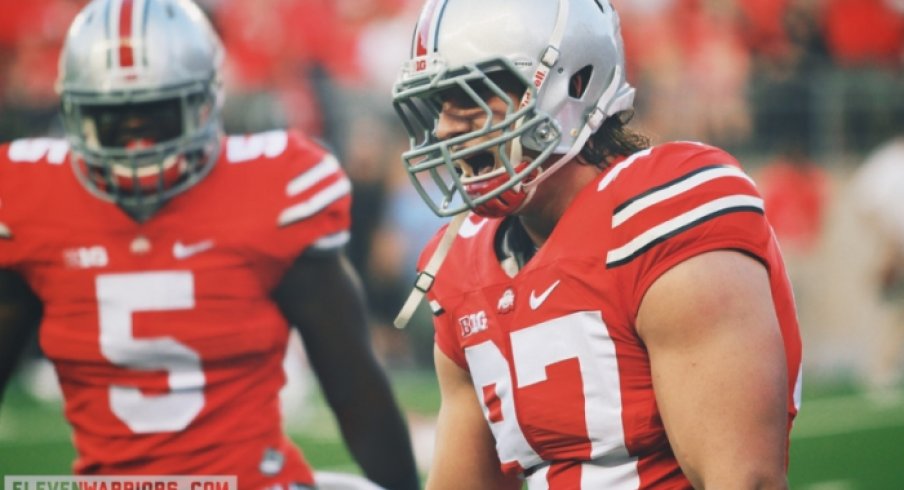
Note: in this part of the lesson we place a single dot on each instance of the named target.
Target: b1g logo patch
(473, 323)
(86, 257)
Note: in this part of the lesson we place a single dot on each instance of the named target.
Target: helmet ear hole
(580, 81)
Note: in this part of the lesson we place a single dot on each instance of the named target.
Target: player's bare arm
(320, 294)
(465, 455)
(20, 312)
(719, 370)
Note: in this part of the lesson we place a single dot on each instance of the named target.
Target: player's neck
(552, 199)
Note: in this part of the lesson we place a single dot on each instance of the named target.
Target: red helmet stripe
(426, 28)
(126, 46)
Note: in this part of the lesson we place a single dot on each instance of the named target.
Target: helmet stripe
(144, 31)
(428, 28)
(107, 33)
(126, 46)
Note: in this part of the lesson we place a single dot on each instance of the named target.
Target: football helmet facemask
(569, 59)
(140, 87)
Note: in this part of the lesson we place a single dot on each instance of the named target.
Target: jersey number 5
(121, 295)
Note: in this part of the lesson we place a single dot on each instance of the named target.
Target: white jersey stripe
(5, 231)
(315, 203)
(333, 241)
(621, 166)
(328, 166)
(678, 223)
(675, 189)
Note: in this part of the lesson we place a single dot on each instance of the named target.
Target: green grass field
(843, 440)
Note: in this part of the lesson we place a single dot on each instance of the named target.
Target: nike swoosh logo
(182, 251)
(536, 301)
(469, 228)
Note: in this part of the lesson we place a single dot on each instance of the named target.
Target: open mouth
(478, 164)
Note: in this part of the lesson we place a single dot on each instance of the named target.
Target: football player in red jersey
(608, 314)
(168, 267)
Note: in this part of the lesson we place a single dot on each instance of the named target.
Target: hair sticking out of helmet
(569, 56)
(140, 86)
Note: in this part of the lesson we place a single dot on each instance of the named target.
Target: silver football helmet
(140, 86)
(569, 58)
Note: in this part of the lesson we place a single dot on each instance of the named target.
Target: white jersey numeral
(582, 336)
(490, 372)
(32, 150)
(121, 295)
(253, 146)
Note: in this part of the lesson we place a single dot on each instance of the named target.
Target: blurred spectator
(855, 332)
(31, 36)
(270, 58)
(692, 68)
(865, 39)
(763, 26)
(878, 192)
(786, 66)
(864, 32)
(795, 192)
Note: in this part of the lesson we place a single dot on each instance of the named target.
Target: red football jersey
(167, 345)
(553, 352)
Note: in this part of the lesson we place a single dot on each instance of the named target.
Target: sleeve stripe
(671, 189)
(680, 223)
(315, 203)
(621, 166)
(5, 232)
(330, 242)
(328, 166)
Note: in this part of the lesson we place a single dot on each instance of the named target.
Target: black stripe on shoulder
(670, 183)
(640, 251)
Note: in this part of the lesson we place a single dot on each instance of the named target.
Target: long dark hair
(613, 139)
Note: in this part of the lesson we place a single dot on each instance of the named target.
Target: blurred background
(808, 94)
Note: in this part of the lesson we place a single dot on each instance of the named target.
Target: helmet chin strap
(425, 277)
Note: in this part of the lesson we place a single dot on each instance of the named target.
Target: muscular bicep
(719, 371)
(20, 312)
(465, 454)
